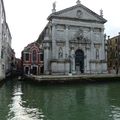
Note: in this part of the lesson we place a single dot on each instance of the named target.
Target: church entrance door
(79, 61)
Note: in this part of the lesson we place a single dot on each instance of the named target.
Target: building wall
(5, 43)
(32, 60)
(63, 37)
(74, 42)
(113, 54)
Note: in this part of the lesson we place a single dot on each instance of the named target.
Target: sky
(27, 18)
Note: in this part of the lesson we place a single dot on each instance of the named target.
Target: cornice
(56, 14)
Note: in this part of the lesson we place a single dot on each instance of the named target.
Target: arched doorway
(79, 61)
(26, 70)
(34, 70)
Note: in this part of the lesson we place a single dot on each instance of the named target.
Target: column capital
(72, 47)
(46, 45)
(54, 24)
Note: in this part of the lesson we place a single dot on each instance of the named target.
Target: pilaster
(92, 56)
(87, 60)
(46, 57)
(53, 41)
(67, 40)
(73, 59)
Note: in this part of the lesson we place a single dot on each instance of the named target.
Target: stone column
(73, 59)
(67, 40)
(46, 57)
(92, 50)
(53, 42)
(92, 45)
(87, 59)
(102, 49)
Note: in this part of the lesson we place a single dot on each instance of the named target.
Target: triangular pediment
(79, 12)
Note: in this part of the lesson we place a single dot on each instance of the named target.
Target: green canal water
(28, 101)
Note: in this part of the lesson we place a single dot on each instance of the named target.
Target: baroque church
(73, 41)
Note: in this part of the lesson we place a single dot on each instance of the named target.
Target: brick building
(32, 59)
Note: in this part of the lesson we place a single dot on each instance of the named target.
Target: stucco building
(113, 54)
(32, 59)
(6, 51)
(73, 41)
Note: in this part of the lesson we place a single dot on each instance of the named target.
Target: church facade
(73, 41)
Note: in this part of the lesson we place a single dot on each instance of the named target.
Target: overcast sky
(27, 18)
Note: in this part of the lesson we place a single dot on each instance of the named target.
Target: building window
(27, 70)
(26, 56)
(41, 57)
(60, 53)
(34, 55)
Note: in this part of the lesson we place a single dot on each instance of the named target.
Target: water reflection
(26, 101)
(96, 101)
(71, 102)
(20, 112)
(115, 113)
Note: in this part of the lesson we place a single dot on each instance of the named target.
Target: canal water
(28, 101)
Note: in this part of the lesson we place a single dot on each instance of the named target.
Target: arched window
(26, 56)
(34, 55)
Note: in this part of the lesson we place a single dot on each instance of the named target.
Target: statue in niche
(60, 53)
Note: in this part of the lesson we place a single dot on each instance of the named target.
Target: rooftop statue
(78, 2)
(54, 5)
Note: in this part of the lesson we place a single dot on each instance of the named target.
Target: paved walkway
(70, 77)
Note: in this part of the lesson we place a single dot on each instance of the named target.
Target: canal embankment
(73, 78)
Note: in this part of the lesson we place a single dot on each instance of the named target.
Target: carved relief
(80, 38)
(79, 13)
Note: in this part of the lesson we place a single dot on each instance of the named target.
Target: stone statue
(60, 54)
(101, 13)
(78, 2)
(54, 5)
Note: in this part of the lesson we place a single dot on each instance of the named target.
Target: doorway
(34, 70)
(79, 61)
(27, 70)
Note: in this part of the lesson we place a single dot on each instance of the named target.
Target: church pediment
(79, 12)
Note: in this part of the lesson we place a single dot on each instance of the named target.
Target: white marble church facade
(73, 41)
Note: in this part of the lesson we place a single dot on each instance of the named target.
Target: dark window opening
(26, 56)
